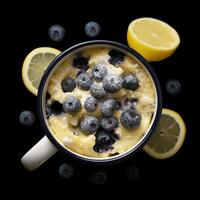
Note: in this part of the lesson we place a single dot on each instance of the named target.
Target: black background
(30, 30)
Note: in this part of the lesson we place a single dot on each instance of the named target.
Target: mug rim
(126, 154)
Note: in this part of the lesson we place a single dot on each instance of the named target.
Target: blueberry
(109, 123)
(80, 62)
(48, 96)
(27, 118)
(80, 71)
(56, 32)
(132, 173)
(112, 83)
(48, 111)
(99, 71)
(66, 171)
(68, 84)
(113, 154)
(116, 57)
(89, 125)
(104, 140)
(130, 119)
(90, 104)
(108, 107)
(72, 105)
(55, 108)
(117, 105)
(84, 81)
(97, 90)
(98, 177)
(92, 29)
(130, 81)
(133, 100)
(173, 86)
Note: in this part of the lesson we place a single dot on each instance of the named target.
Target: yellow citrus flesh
(168, 137)
(34, 66)
(154, 39)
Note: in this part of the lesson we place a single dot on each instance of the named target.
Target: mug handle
(38, 154)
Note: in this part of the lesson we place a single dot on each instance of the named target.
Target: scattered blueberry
(68, 84)
(90, 104)
(109, 123)
(97, 90)
(84, 81)
(72, 105)
(80, 62)
(130, 81)
(173, 86)
(116, 57)
(130, 119)
(132, 173)
(27, 118)
(108, 107)
(98, 177)
(66, 171)
(112, 83)
(104, 140)
(92, 29)
(89, 125)
(99, 71)
(55, 108)
(56, 32)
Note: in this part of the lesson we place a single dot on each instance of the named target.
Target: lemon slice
(34, 66)
(154, 39)
(168, 137)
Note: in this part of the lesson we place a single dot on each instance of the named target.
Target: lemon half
(154, 39)
(34, 66)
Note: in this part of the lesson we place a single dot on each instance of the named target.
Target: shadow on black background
(164, 175)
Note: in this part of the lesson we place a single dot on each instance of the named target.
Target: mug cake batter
(68, 127)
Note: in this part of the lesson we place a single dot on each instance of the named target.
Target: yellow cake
(65, 127)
